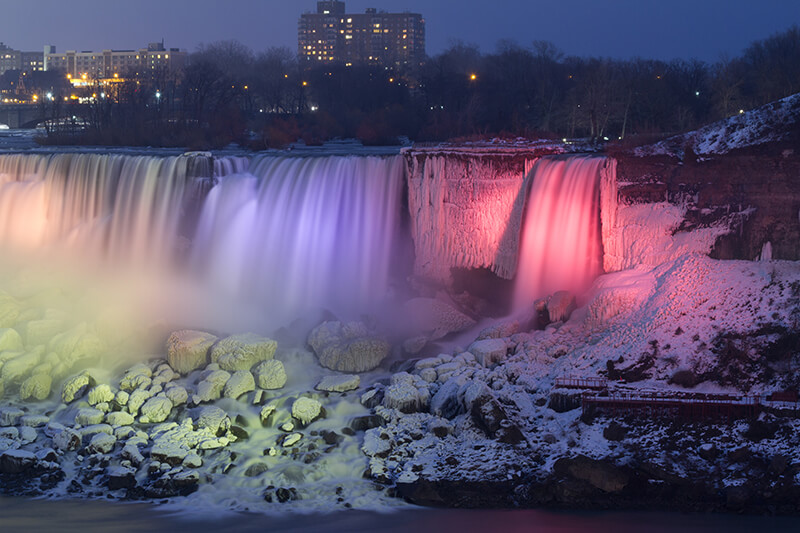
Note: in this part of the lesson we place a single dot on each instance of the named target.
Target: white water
(561, 245)
(277, 233)
(303, 233)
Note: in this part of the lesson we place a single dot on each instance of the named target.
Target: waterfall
(561, 238)
(302, 233)
(285, 233)
(108, 207)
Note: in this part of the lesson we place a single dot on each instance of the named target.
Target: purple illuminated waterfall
(301, 233)
(561, 242)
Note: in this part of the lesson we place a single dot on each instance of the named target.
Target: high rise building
(374, 37)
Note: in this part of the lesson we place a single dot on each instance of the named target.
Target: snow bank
(765, 124)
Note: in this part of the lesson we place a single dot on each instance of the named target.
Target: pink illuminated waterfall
(561, 245)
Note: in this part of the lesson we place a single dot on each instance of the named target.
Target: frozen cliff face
(647, 234)
(466, 212)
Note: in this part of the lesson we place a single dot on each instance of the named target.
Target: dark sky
(658, 29)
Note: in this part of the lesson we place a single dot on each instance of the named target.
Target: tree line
(229, 93)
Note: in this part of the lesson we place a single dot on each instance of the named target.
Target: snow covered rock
(215, 419)
(270, 375)
(435, 317)
(169, 451)
(9, 416)
(176, 394)
(489, 351)
(120, 477)
(155, 410)
(339, 383)
(136, 400)
(192, 460)
(67, 440)
(241, 352)
(16, 461)
(307, 410)
(406, 393)
(347, 347)
(187, 350)
(136, 377)
(36, 387)
(446, 402)
(10, 340)
(211, 387)
(76, 386)
(89, 416)
(119, 418)
(101, 393)
(101, 443)
(241, 382)
(16, 369)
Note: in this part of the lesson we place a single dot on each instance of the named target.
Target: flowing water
(284, 234)
(561, 246)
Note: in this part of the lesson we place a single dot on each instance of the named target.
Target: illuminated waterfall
(561, 242)
(303, 232)
(107, 207)
(287, 233)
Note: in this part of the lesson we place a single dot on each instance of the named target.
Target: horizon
(627, 29)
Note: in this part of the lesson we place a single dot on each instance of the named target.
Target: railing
(581, 383)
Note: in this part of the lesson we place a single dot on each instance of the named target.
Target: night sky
(658, 29)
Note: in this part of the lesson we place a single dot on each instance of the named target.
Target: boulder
(36, 387)
(406, 393)
(120, 477)
(215, 419)
(446, 402)
(187, 350)
(270, 375)
(67, 440)
(89, 416)
(119, 418)
(17, 369)
(176, 394)
(137, 399)
(348, 347)
(307, 410)
(489, 351)
(339, 383)
(241, 352)
(212, 386)
(76, 386)
(16, 461)
(155, 410)
(436, 317)
(137, 377)
(101, 393)
(10, 340)
(241, 382)
(101, 443)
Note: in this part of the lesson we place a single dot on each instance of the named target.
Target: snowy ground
(768, 123)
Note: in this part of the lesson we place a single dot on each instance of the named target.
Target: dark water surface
(24, 515)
